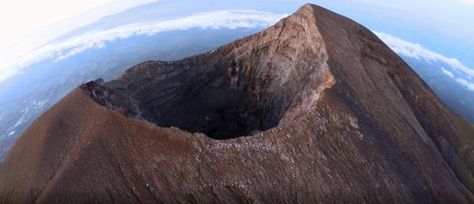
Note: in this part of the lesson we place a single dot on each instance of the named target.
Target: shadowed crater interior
(223, 99)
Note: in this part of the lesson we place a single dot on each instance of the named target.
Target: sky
(442, 26)
(39, 14)
(38, 21)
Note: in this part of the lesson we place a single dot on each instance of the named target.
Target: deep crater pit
(223, 100)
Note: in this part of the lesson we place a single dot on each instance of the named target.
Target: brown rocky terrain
(314, 108)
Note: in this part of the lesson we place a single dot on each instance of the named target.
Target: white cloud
(448, 73)
(210, 20)
(45, 22)
(468, 85)
(415, 50)
(39, 14)
(62, 17)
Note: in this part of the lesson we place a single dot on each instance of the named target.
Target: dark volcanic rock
(318, 107)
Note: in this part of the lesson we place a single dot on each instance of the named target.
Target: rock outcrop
(314, 108)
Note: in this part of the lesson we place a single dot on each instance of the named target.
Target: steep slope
(314, 108)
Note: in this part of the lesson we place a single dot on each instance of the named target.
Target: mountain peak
(315, 100)
(307, 11)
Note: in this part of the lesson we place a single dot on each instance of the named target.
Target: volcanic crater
(223, 100)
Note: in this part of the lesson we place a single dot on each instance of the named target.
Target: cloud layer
(230, 19)
(28, 32)
(414, 50)
(447, 72)
(465, 83)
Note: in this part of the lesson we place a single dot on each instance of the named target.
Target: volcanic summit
(313, 109)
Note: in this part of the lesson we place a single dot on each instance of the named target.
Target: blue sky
(442, 26)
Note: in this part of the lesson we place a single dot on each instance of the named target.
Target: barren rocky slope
(314, 108)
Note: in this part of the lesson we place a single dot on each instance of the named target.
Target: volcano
(313, 109)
